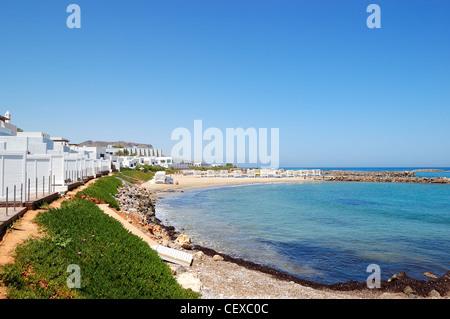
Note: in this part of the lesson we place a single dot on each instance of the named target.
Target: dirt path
(25, 228)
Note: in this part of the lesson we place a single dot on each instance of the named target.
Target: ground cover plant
(113, 263)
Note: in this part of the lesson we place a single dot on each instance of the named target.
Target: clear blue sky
(340, 93)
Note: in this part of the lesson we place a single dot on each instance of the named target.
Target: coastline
(234, 284)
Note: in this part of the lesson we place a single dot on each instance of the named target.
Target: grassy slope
(114, 263)
(104, 190)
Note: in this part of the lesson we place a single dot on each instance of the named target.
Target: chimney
(8, 117)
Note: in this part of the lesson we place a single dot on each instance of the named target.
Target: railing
(25, 194)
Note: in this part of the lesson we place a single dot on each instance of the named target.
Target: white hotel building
(35, 162)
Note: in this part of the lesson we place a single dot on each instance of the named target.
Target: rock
(184, 241)
(434, 294)
(136, 201)
(430, 275)
(217, 258)
(157, 230)
(199, 255)
(176, 269)
(189, 280)
(165, 243)
(389, 295)
(397, 276)
(408, 290)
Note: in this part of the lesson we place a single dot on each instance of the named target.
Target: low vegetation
(137, 174)
(216, 168)
(103, 190)
(141, 173)
(113, 262)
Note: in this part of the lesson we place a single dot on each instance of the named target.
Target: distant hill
(121, 143)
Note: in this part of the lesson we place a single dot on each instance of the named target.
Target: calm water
(319, 231)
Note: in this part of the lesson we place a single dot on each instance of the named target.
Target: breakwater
(380, 176)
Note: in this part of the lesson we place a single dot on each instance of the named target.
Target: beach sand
(188, 182)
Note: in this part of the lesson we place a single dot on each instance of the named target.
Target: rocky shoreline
(381, 176)
(138, 207)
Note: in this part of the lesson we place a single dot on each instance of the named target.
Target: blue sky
(340, 93)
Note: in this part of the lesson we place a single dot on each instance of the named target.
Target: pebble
(434, 294)
(408, 290)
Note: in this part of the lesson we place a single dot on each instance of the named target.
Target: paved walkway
(12, 214)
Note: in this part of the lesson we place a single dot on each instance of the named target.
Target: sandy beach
(189, 181)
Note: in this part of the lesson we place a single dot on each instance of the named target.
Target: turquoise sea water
(326, 232)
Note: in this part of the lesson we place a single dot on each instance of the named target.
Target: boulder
(217, 258)
(189, 280)
(199, 255)
(184, 241)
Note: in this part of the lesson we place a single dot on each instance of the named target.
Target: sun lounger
(237, 173)
(160, 177)
(264, 173)
(223, 173)
(197, 173)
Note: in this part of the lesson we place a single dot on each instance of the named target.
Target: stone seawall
(382, 176)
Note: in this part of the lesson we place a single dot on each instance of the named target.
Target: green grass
(119, 175)
(104, 190)
(113, 262)
(137, 174)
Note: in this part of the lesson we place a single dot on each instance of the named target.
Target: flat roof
(59, 139)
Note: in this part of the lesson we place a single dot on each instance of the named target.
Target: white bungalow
(35, 163)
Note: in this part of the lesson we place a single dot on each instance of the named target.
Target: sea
(326, 232)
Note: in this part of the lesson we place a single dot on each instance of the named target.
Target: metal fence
(32, 190)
